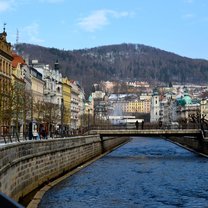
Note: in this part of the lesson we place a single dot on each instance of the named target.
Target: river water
(146, 172)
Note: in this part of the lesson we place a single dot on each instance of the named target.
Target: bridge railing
(144, 126)
(85, 130)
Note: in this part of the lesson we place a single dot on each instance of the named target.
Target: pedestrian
(142, 124)
(43, 133)
(137, 124)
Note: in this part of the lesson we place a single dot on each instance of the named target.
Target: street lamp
(88, 120)
(62, 116)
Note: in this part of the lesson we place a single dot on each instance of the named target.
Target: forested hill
(120, 62)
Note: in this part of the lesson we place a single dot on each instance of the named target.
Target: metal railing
(7, 138)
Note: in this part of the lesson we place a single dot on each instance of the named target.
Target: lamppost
(31, 118)
(88, 120)
(62, 116)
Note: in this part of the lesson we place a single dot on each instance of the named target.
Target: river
(146, 172)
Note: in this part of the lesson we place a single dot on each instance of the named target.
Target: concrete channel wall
(27, 165)
(194, 144)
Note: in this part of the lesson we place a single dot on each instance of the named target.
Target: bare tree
(5, 108)
(27, 111)
(51, 115)
(38, 111)
(17, 104)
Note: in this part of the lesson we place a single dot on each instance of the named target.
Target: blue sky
(179, 26)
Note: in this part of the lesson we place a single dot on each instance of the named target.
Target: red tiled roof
(17, 60)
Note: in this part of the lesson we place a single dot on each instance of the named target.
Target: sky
(178, 26)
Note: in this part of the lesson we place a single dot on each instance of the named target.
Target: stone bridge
(191, 139)
(149, 132)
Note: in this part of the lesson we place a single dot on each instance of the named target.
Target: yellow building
(204, 108)
(140, 106)
(37, 85)
(37, 94)
(5, 82)
(66, 101)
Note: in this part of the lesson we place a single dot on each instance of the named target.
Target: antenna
(17, 37)
(4, 27)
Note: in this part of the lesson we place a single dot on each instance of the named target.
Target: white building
(75, 104)
(99, 102)
(53, 82)
(155, 107)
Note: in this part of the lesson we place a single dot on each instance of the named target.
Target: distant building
(67, 102)
(99, 100)
(186, 108)
(81, 104)
(155, 107)
(75, 100)
(53, 81)
(204, 108)
(139, 106)
(167, 109)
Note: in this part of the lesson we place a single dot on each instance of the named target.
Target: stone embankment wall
(194, 144)
(28, 165)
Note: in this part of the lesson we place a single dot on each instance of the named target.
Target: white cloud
(32, 32)
(5, 5)
(100, 18)
(51, 1)
(188, 16)
(189, 1)
(96, 20)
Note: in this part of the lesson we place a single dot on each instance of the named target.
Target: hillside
(120, 62)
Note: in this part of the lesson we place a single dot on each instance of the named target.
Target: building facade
(5, 83)
(37, 95)
(19, 99)
(204, 108)
(138, 106)
(155, 107)
(75, 100)
(66, 102)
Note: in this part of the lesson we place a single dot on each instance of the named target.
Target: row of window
(5, 67)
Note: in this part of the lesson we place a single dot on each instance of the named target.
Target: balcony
(46, 91)
(53, 92)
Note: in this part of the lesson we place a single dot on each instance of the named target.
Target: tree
(27, 110)
(38, 111)
(17, 103)
(5, 107)
(51, 115)
(123, 87)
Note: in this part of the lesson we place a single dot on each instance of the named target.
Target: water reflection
(147, 172)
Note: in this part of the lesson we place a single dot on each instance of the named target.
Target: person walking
(142, 124)
(137, 124)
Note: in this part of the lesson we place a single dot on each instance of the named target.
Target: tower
(17, 37)
(155, 107)
(56, 65)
